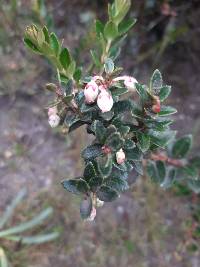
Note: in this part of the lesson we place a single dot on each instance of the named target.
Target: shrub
(129, 120)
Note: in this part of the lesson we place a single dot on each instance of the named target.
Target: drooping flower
(91, 92)
(120, 156)
(105, 101)
(52, 111)
(92, 215)
(129, 82)
(54, 120)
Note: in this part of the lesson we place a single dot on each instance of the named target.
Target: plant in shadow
(16, 233)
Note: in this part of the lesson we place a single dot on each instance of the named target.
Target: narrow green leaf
(38, 219)
(28, 43)
(65, 58)
(126, 25)
(167, 110)
(55, 45)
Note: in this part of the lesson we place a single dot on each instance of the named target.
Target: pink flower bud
(129, 82)
(92, 215)
(52, 111)
(91, 92)
(120, 156)
(105, 101)
(54, 120)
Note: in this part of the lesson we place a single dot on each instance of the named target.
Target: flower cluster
(97, 90)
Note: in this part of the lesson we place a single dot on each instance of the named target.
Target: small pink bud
(91, 92)
(52, 111)
(92, 215)
(156, 107)
(54, 120)
(105, 101)
(120, 156)
(106, 149)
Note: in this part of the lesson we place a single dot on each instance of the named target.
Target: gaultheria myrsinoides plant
(129, 121)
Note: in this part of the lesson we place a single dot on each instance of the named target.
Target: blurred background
(146, 227)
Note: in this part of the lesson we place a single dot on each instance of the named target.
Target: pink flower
(52, 111)
(54, 120)
(95, 78)
(129, 82)
(105, 101)
(91, 92)
(92, 215)
(120, 156)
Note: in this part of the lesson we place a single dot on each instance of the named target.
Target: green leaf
(46, 34)
(166, 111)
(95, 58)
(76, 186)
(129, 144)
(191, 172)
(89, 171)
(99, 27)
(100, 131)
(37, 220)
(78, 74)
(110, 31)
(156, 82)
(107, 116)
(143, 93)
(86, 208)
(151, 171)
(109, 66)
(70, 119)
(161, 139)
(107, 194)
(143, 141)
(122, 7)
(54, 43)
(169, 178)
(3, 258)
(161, 170)
(69, 88)
(105, 165)
(195, 162)
(71, 69)
(91, 152)
(28, 43)
(95, 182)
(126, 25)
(182, 146)
(118, 91)
(115, 142)
(164, 92)
(133, 154)
(116, 183)
(65, 58)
